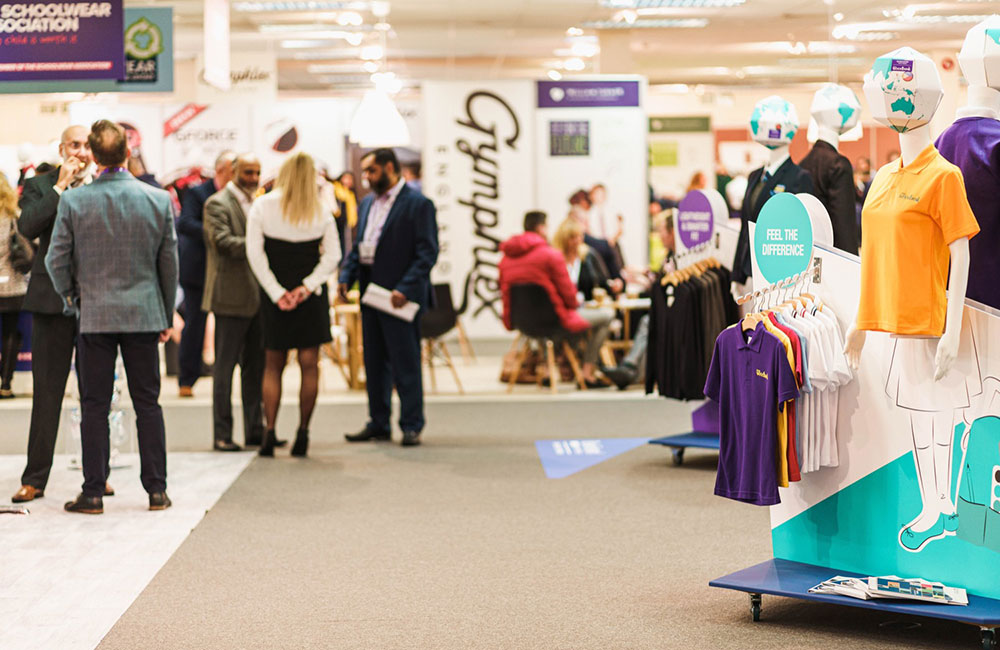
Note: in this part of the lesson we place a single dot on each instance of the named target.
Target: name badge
(366, 251)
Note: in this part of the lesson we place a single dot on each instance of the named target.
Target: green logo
(143, 40)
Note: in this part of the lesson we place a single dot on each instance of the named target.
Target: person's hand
(617, 285)
(287, 302)
(70, 168)
(398, 299)
(301, 294)
(342, 289)
(165, 335)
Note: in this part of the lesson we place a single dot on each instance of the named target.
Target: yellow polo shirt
(910, 217)
(783, 412)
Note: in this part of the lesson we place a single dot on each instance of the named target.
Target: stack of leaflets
(893, 587)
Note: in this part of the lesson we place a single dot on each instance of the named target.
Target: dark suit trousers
(53, 337)
(238, 341)
(96, 355)
(192, 336)
(392, 357)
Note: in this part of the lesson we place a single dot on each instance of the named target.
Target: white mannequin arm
(958, 281)
(853, 344)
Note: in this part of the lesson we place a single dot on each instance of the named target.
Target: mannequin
(972, 143)
(773, 124)
(835, 110)
(919, 352)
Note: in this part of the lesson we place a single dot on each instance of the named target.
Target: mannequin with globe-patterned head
(774, 123)
(917, 224)
(835, 110)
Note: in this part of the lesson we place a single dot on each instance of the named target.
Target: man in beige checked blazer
(113, 259)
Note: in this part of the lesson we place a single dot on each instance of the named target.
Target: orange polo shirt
(910, 217)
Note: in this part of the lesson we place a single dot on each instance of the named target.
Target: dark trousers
(53, 337)
(192, 336)
(10, 345)
(392, 357)
(96, 356)
(238, 341)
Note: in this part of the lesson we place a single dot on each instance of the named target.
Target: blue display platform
(681, 442)
(794, 579)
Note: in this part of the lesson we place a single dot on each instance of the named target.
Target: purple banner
(587, 94)
(63, 40)
(694, 219)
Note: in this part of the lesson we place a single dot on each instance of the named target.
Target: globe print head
(903, 89)
(774, 122)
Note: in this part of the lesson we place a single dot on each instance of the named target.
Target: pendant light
(376, 121)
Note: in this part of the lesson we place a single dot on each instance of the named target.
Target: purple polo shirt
(749, 378)
(973, 145)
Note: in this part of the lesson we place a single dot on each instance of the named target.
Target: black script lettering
(472, 123)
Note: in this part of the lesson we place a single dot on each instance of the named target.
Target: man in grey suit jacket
(113, 259)
(233, 295)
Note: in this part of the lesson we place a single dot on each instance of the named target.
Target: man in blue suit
(396, 249)
(191, 250)
(113, 260)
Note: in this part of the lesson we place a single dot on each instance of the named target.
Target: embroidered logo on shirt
(761, 373)
(909, 197)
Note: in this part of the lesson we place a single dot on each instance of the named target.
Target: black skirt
(308, 325)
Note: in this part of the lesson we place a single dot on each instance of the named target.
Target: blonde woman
(292, 249)
(587, 272)
(13, 286)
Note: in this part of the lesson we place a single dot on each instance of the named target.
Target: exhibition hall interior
(542, 324)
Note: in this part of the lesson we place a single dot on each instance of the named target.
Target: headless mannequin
(776, 159)
(828, 135)
(983, 101)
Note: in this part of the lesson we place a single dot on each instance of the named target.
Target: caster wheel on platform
(989, 639)
(755, 603)
(679, 456)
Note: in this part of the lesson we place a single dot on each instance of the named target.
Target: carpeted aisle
(463, 543)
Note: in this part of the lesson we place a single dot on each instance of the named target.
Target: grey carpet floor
(463, 543)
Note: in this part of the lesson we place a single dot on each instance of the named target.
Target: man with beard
(233, 295)
(396, 249)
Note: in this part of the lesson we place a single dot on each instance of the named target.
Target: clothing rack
(790, 282)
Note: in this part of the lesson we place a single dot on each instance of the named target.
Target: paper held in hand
(380, 298)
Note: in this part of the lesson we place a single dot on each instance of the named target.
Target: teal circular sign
(783, 239)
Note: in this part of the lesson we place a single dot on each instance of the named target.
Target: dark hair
(413, 167)
(108, 143)
(579, 196)
(534, 219)
(342, 174)
(383, 157)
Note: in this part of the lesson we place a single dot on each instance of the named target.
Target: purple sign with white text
(587, 94)
(63, 40)
(694, 219)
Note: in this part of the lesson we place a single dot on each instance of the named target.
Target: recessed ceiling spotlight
(574, 31)
(681, 4)
(554, 75)
(648, 23)
(838, 16)
(370, 67)
(372, 52)
(574, 64)
(350, 18)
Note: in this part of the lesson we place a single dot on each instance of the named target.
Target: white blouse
(265, 220)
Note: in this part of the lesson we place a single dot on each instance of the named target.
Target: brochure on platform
(892, 587)
(380, 298)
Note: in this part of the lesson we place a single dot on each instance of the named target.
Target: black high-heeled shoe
(301, 443)
(267, 444)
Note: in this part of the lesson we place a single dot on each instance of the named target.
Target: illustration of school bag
(978, 500)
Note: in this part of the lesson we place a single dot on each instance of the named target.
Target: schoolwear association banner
(61, 40)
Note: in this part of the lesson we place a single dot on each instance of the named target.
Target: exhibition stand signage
(783, 238)
(59, 41)
(148, 45)
(697, 215)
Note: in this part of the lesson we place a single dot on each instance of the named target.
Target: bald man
(233, 295)
(191, 249)
(53, 335)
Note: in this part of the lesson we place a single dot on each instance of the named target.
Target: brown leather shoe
(185, 391)
(108, 490)
(27, 493)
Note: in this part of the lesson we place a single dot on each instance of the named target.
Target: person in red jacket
(529, 259)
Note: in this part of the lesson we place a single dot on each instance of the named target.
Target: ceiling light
(684, 4)
(370, 67)
(626, 16)
(673, 89)
(937, 19)
(838, 16)
(298, 43)
(255, 6)
(554, 75)
(382, 27)
(648, 23)
(574, 31)
(378, 123)
(354, 39)
(865, 31)
(372, 52)
(380, 8)
(574, 64)
(585, 49)
(387, 82)
(350, 18)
